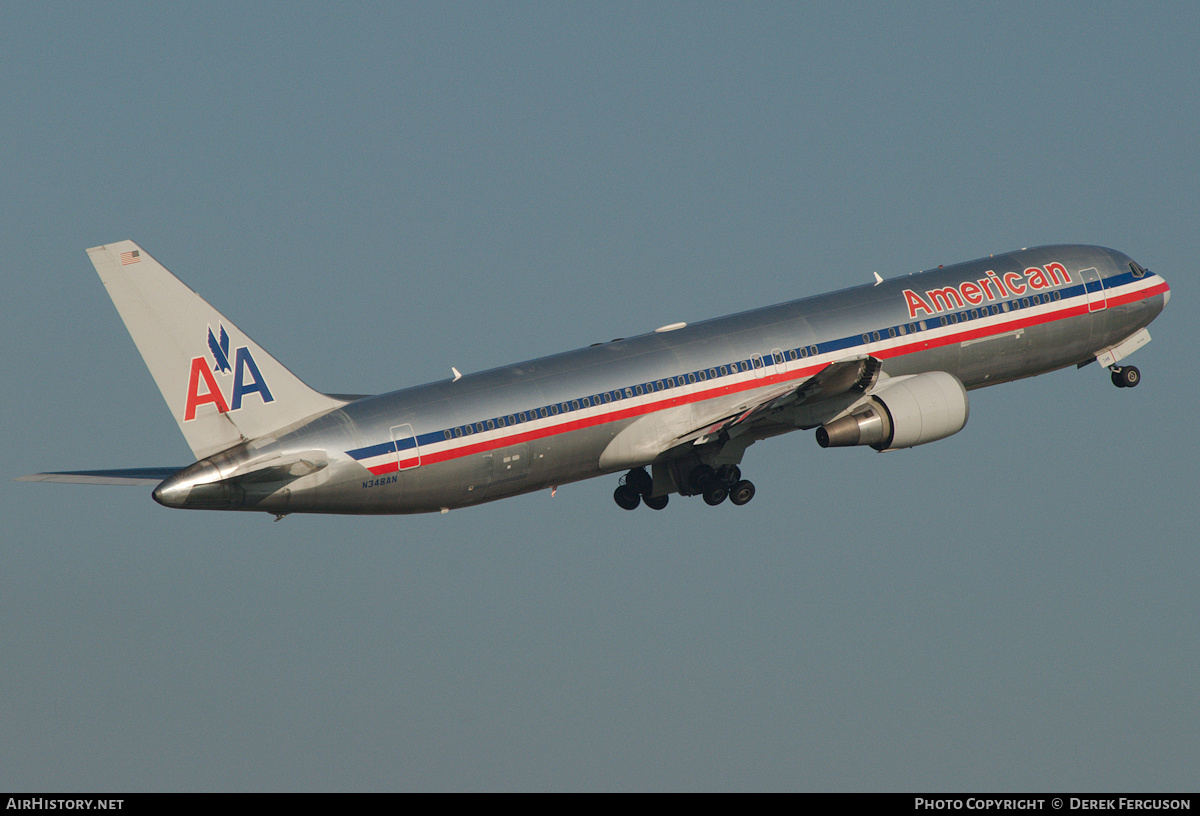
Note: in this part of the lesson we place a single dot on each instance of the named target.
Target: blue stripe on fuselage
(836, 345)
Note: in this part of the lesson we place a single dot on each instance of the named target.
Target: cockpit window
(1138, 270)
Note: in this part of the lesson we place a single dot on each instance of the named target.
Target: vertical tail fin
(220, 385)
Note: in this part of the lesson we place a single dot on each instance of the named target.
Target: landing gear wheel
(657, 502)
(715, 493)
(1126, 377)
(627, 498)
(742, 492)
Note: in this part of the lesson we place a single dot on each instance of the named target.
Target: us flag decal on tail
(130, 257)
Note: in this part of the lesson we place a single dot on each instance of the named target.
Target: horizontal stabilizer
(129, 476)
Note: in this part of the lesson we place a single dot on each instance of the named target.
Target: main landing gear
(635, 488)
(715, 485)
(1125, 376)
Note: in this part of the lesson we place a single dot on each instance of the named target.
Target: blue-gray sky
(377, 192)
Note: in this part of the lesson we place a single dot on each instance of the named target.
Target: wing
(748, 416)
(129, 476)
(851, 376)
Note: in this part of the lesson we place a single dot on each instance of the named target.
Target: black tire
(657, 502)
(742, 492)
(1118, 380)
(1130, 376)
(715, 493)
(626, 497)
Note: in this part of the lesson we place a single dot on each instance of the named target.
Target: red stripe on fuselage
(762, 382)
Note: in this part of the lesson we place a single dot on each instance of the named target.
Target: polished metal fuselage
(550, 421)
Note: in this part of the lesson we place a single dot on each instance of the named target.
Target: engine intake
(902, 414)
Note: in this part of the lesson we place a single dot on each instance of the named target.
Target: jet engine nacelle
(910, 411)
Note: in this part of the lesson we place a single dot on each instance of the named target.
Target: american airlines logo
(991, 287)
(203, 387)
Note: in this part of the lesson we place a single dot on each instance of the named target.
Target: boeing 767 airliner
(886, 365)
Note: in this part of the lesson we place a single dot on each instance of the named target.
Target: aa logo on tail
(203, 387)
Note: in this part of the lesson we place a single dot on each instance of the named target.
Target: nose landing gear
(1125, 376)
